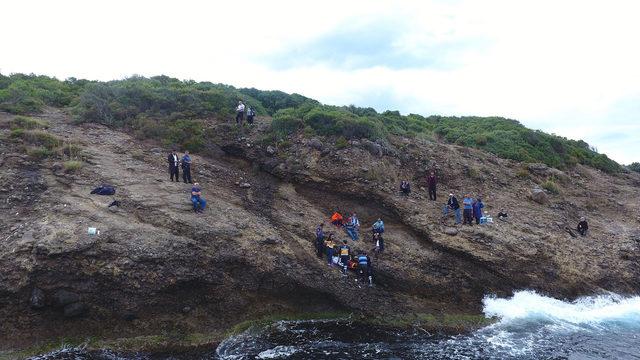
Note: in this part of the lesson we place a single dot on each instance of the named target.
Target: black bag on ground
(104, 190)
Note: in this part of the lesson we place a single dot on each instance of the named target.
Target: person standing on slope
(186, 167)
(173, 161)
(467, 202)
(452, 204)
(239, 113)
(431, 184)
(250, 114)
(478, 205)
(329, 244)
(345, 254)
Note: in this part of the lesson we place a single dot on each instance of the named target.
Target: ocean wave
(529, 306)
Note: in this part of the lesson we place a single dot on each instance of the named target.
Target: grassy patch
(451, 323)
(72, 166)
(522, 172)
(551, 185)
(26, 122)
(39, 152)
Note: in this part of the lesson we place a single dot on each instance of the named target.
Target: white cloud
(562, 66)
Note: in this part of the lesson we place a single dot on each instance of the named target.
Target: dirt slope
(158, 267)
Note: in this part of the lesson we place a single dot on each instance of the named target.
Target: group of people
(240, 111)
(471, 209)
(341, 255)
(175, 163)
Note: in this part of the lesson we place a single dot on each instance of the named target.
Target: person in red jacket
(431, 184)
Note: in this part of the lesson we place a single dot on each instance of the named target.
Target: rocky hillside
(156, 267)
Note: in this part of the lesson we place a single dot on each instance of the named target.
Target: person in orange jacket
(336, 219)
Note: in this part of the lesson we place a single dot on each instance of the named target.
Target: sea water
(528, 326)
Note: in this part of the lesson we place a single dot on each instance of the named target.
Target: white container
(92, 231)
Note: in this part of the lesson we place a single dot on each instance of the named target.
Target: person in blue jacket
(196, 198)
(477, 210)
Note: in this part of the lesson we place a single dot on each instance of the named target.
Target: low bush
(341, 143)
(72, 166)
(551, 185)
(26, 122)
(39, 152)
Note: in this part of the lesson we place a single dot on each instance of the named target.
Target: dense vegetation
(173, 111)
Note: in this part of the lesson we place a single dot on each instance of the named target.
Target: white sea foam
(590, 310)
(278, 352)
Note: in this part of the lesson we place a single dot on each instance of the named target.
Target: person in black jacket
(583, 226)
(452, 204)
(174, 162)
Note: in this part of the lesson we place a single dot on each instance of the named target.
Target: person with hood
(186, 167)
(239, 113)
(431, 184)
(583, 226)
(352, 227)
(477, 210)
(173, 161)
(378, 226)
(467, 202)
(320, 240)
(452, 204)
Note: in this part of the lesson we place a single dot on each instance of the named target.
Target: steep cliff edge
(158, 267)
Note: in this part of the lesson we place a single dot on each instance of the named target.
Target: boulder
(374, 148)
(245, 185)
(37, 299)
(316, 144)
(64, 297)
(76, 309)
(451, 231)
(540, 196)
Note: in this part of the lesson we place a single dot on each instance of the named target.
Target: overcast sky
(567, 67)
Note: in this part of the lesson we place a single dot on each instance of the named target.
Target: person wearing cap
(452, 204)
(583, 226)
(239, 113)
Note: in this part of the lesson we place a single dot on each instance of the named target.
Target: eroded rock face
(38, 298)
(252, 252)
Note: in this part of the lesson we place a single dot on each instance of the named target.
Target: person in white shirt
(173, 161)
(239, 113)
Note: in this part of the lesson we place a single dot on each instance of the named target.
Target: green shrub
(37, 137)
(72, 166)
(634, 167)
(341, 143)
(26, 122)
(188, 134)
(551, 185)
(39, 152)
(522, 172)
